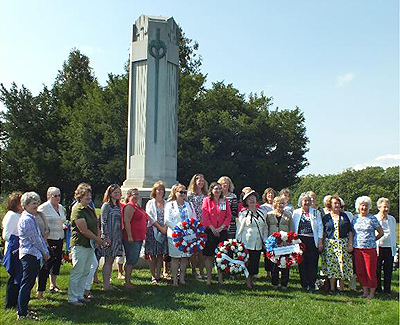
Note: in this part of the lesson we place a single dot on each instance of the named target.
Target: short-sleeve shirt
(87, 213)
(364, 231)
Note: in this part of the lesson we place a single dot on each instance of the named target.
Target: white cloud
(385, 161)
(344, 79)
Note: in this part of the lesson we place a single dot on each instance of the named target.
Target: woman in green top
(84, 237)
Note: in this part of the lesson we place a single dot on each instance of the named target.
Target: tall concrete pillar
(153, 103)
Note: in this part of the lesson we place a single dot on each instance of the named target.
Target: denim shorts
(132, 251)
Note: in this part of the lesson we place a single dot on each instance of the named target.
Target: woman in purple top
(32, 248)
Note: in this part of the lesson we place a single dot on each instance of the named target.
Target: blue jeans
(132, 251)
(30, 270)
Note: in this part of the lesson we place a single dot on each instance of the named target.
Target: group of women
(363, 244)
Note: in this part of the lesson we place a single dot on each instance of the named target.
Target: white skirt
(175, 252)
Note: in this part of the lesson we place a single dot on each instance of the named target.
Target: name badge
(222, 205)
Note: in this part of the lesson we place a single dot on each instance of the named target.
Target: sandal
(167, 277)
(55, 289)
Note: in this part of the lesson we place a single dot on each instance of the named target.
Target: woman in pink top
(216, 214)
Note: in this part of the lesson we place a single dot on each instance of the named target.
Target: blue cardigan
(344, 225)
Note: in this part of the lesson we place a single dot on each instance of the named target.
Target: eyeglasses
(182, 192)
(57, 195)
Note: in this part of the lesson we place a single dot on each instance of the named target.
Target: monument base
(143, 191)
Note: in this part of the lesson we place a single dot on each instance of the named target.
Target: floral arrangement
(231, 256)
(285, 239)
(189, 236)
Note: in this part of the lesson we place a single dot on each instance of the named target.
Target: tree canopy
(76, 131)
(374, 182)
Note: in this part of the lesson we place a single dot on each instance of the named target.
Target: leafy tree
(30, 156)
(374, 182)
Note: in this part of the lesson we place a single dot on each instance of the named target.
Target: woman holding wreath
(252, 230)
(279, 220)
(176, 211)
(216, 219)
(338, 245)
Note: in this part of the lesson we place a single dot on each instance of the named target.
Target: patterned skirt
(336, 260)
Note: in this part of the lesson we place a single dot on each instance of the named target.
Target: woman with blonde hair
(156, 240)
(197, 190)
(227, 191)
(365, 255)
(176, 211)
(111, 230)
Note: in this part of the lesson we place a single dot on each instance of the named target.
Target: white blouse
(54, 220)
(252, 231)
(10, 226)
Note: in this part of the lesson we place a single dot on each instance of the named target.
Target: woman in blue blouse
(338, 244)
(365, 256)
(32, 248)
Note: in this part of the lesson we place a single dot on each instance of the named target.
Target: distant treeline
(374, 182)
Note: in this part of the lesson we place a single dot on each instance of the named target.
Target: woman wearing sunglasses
(176, 211)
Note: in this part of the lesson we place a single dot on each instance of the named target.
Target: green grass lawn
(196, 303)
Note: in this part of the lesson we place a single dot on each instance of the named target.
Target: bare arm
(351, 240)
(128, 214)
(380, 233)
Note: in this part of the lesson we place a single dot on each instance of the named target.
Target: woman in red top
(216, 214)
(134, 225)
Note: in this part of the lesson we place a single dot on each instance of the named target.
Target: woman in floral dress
(156, 241)
(197, 190)
(337, 262)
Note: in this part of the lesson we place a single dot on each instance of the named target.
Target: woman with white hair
(54, 213)
(308, 225)
(32, 248)
(365, 256)
(386, 245)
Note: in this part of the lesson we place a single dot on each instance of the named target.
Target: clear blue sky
(336, 60)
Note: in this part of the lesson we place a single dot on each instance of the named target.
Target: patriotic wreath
(189, 236)
(231, 256)
(290, 247)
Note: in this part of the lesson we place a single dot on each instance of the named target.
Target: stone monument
(153, 104)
